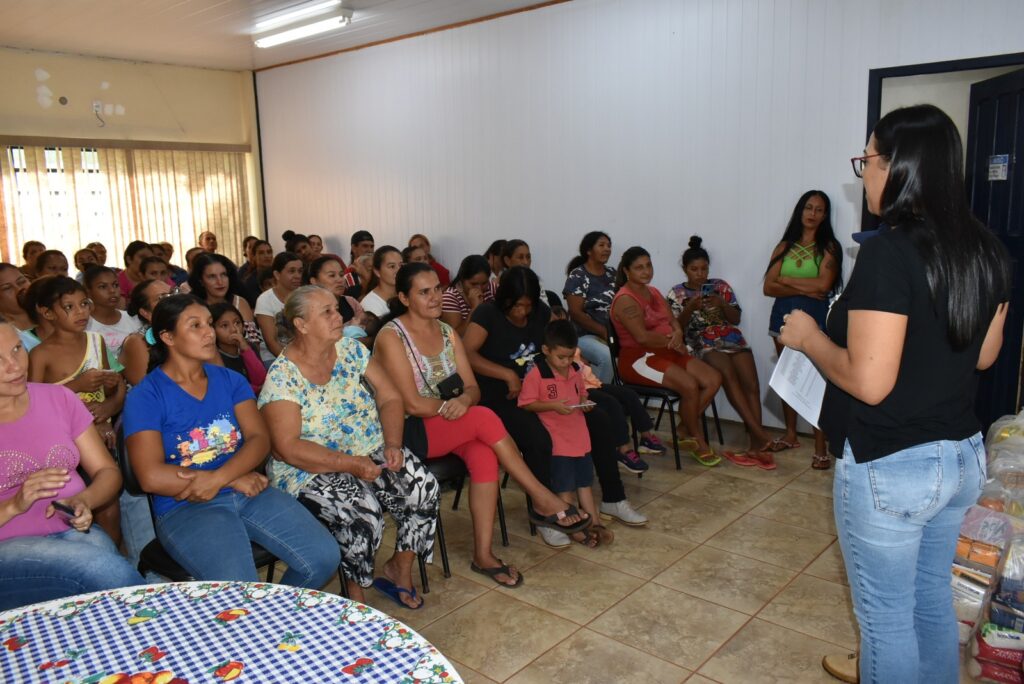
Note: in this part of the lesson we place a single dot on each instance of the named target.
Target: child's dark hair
(165, 318)
(93, 272)
(138, 299)
(150, 260)
(694, 252)
(55, 287)
(220, 308)
(560, 333)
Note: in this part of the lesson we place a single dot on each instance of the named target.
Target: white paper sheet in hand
(799, 384)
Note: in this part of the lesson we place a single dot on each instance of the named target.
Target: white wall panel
(649, 119)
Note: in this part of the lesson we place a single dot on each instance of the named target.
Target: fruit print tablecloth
(193, 632)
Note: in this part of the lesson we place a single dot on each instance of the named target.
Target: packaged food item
(1005, 616)
(1007, 657)
(1012, 570)
(1000, 637)
(983, 671)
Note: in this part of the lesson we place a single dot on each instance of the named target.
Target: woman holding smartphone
(708, 313)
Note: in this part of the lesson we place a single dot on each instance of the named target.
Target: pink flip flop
(740, 458)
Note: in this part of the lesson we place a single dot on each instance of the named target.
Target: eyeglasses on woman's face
(859, 163)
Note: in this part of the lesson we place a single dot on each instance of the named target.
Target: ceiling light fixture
(337, 20)
(294, 15)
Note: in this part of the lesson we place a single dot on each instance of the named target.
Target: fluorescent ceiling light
(292, 16)
(337, 20)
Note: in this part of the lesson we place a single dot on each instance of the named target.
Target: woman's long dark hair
(628, 257)
(925, 196)
(292, 240)
(586, 244)
(517, 282)
(199, 264)
(165, 317)
(470, 266)
(403, 285)
(510, 247)
(824, 238)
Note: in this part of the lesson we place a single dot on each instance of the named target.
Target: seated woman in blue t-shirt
(195, 439)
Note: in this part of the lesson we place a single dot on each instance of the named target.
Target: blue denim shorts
(569, 473)
(815, 308)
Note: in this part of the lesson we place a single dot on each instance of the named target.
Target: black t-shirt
(933, 398)
(508, 345)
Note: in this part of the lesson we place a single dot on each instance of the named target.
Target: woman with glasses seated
(135, 350)
(806, 266)
(196, 441)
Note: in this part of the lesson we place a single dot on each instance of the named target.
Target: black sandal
(502, 569)
(551, 521)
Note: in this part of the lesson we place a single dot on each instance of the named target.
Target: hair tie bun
(287, 235)
(695, 242)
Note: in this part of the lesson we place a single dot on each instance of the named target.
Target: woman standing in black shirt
(923, 311)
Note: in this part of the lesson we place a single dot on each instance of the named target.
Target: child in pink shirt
(555, 390)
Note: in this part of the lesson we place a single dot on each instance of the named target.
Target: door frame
(876, 76)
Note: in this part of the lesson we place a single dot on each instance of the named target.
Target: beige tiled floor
(738, 578)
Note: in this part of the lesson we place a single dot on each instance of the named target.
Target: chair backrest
(131, 483)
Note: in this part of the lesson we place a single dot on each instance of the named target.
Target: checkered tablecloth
(193, 632)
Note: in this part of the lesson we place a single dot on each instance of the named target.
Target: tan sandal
(821, 462)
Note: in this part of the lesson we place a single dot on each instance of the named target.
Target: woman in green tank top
(804, 269)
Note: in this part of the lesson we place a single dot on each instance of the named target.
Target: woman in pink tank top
(653, 351)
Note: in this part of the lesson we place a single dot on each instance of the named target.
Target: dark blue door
(995, 185)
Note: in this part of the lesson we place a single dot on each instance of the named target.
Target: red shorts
(648, 366)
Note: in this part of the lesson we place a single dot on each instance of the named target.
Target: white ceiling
(214, 33)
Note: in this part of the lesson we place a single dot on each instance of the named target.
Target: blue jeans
(898, 519)
(34, 569)
(596, 352)
(211, 539)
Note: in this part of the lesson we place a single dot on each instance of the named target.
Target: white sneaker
(554, 538)
(623, 512)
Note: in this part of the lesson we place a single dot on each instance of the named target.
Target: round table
(212, 632)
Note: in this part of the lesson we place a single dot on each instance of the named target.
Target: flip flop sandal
(709, 458)
(394, 592)
(775, 445)
(591, 539)
(740, 458)
(552, 521)
(604, 535)
(765, 463)
(821, 462)
(688, 444)
(781, 445)
(502, 569)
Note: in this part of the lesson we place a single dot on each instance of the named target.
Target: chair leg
(458, 493)
(443, 548)
(704, 424)
(533, 528)
(270, 572)
(675, 444)
(504, 481)
(343, 582)
(661, 411)
(501, 521)
(423, 574)
(718, 423)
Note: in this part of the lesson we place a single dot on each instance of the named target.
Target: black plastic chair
(154, 556)
(451, 470)
(669, 399)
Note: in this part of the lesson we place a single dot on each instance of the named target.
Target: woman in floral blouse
(708, 312)
(336, 423)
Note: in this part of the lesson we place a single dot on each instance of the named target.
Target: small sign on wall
(998, 166)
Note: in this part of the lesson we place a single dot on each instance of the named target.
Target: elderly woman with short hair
(336, 424)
